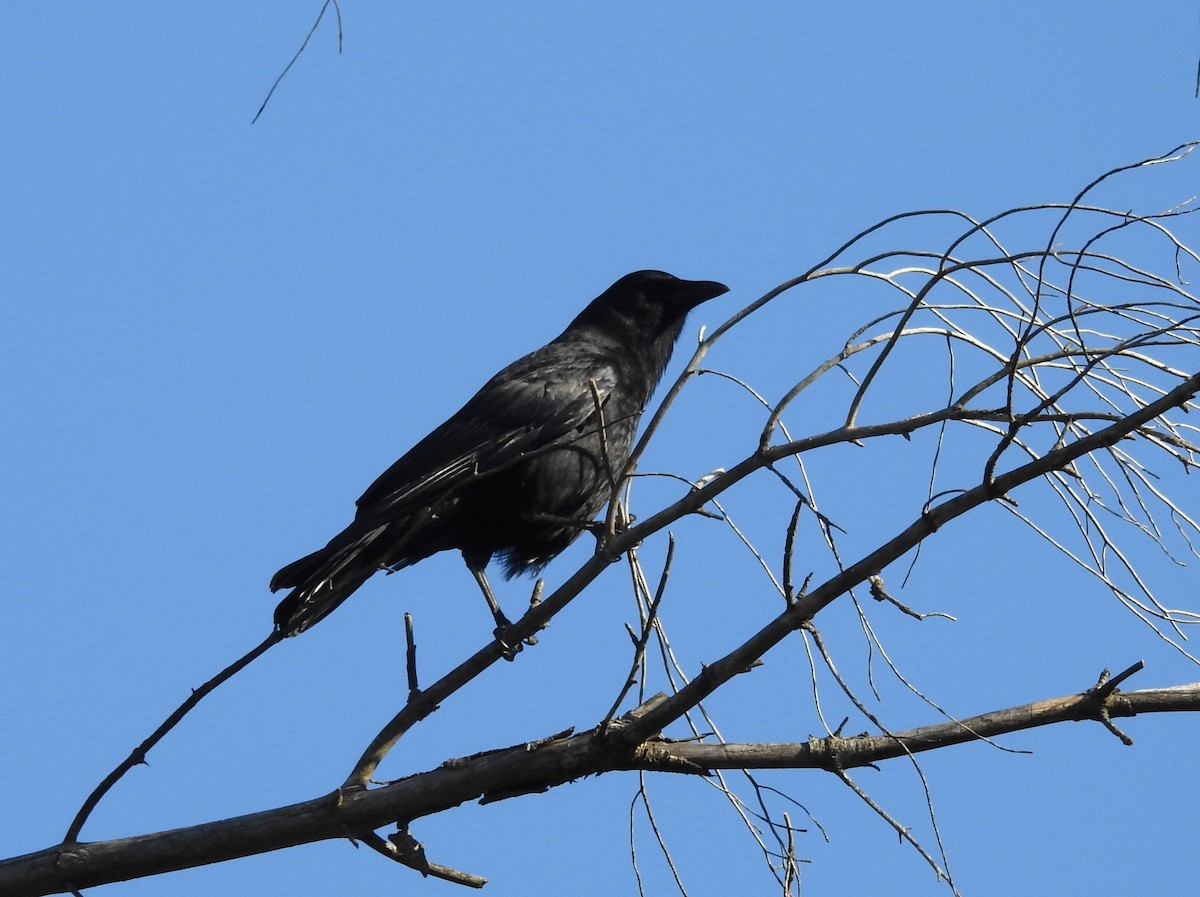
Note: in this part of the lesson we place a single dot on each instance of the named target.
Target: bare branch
(639, 651)
(403, 848)
(721, 671)
(303, 45)
(139, 753)
(410, 655)
(526, 769)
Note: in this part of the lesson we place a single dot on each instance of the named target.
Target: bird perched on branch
(521, 469)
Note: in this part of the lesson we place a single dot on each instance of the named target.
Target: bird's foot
(509, 649)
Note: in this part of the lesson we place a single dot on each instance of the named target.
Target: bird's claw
(508, 650)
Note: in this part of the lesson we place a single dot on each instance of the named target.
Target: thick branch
(519, 770)
(862, 750)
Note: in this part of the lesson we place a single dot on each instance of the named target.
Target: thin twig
(410, 654)
(138, 756)
(639, 651)
(658, 835)
(789, 549)
(849, 692)
(901, 829)
(292, 61)
(403, 848)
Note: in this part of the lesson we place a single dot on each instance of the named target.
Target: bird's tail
(324, 579)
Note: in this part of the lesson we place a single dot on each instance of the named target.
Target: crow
(520, 470)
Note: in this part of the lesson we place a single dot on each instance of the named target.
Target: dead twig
(138, 756)
(303, 45)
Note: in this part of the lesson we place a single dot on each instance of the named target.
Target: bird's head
(649, 303)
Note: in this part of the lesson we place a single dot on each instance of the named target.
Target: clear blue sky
(214, 335)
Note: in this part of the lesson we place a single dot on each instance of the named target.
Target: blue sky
(215, 335)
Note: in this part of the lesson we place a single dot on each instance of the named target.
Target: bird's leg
(503, 624)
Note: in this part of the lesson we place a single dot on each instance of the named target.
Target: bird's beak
(690, 293)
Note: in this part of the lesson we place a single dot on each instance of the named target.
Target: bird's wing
(534, 403)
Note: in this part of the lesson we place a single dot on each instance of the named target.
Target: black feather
(519, 469)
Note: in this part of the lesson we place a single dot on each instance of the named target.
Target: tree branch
(716, 674)
(524, 769)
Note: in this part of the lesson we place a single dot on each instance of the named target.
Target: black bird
(521, 469)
